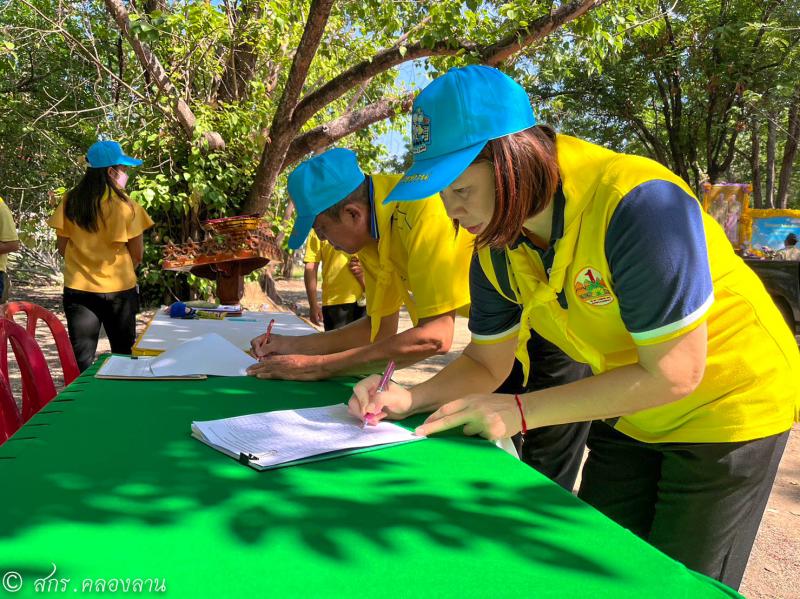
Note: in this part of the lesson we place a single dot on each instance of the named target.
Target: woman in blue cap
(99, 233)
(609, 257)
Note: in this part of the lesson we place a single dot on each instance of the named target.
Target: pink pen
(269, 334)
(387, 375)
(269, 330)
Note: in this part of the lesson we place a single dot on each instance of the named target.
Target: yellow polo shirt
(100, 262)
(339, 286)
(8, 231)
(419, 259)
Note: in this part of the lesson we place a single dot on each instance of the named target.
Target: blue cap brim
(427, 177)
(129, 161)
(300, 231)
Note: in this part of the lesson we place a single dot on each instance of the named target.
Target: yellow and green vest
(749, 389)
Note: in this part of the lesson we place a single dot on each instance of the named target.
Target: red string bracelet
(521, 414)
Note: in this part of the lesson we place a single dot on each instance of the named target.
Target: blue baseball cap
(452, 120)
(109, 153)
(319, 183)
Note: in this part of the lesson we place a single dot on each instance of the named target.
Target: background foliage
(711, 89)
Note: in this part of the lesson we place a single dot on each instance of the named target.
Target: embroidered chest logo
(420, 131)
(591, 288)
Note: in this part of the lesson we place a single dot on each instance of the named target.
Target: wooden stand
(229, 276)
(233, 248)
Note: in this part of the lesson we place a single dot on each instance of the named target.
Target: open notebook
(208, 354)
(288, 437)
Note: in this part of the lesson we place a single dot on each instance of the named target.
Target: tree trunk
(288, 265)
(268, 285)
(696, 179)
(789, 149)
(287, 214)
(755, 163)
(770, 159)
(154, 5)
(282, 131)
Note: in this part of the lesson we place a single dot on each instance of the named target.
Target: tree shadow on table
(113, 461)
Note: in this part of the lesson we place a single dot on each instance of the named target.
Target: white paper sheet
(275, 438)
(208, 354)
(126, 367)
(165, 333)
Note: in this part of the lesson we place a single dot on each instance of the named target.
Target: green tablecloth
(106, 483)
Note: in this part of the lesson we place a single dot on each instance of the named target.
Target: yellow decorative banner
(729, 205)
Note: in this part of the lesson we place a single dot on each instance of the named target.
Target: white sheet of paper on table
(276, 438)
(208, 354)
(126, 367)
(165, 333)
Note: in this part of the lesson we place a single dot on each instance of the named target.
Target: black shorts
(339, 315)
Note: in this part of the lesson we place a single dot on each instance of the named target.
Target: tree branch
(282, 129)
(647, 136)
(152, 66)
(92, 57)
(540, 28)
(336, 129)
(789, 149)
(492, 54)
(241, 63)
(281, 151)
(312, 35)
(382, 61)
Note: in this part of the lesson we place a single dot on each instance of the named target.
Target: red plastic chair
(10, 418)
(37, 384)
(34, 312)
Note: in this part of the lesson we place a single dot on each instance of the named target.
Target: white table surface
(164, 333)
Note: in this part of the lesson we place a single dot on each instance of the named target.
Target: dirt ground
(774, 568)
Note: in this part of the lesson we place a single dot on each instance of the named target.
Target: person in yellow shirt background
(342, 284)
(99, 233)
(9, 242)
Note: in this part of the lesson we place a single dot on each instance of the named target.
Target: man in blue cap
(424, 268)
